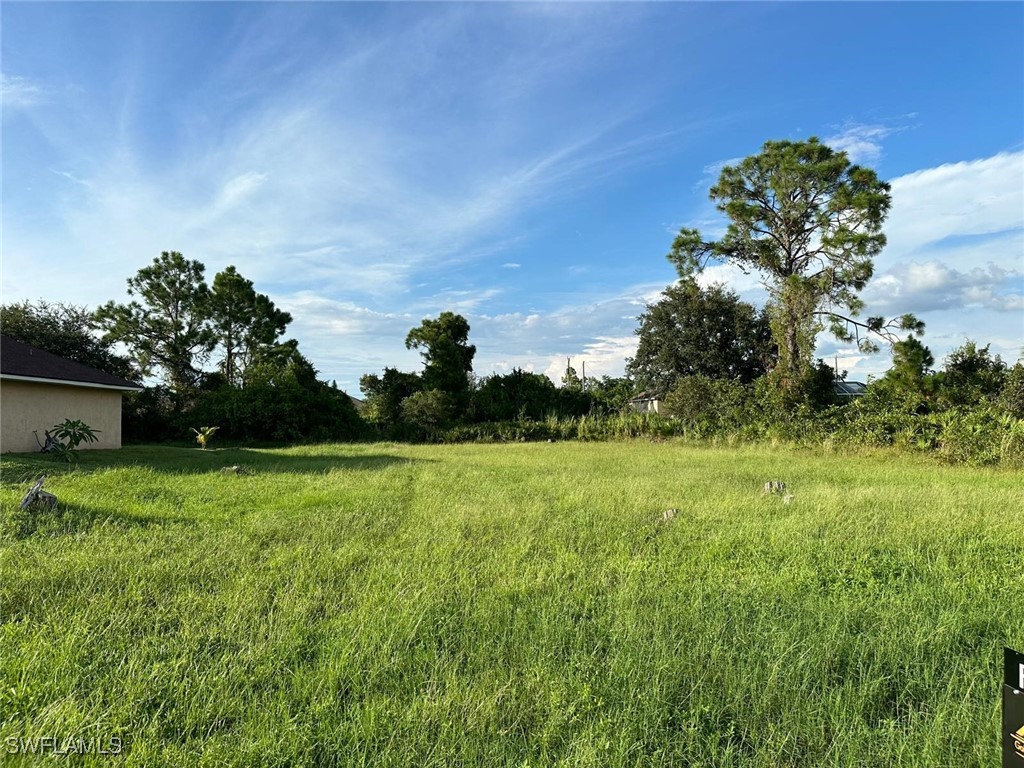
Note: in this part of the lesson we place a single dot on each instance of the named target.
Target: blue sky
(525, 164)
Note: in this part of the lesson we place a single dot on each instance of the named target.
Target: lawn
(511, 605)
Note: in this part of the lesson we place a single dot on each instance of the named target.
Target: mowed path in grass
(513, 605)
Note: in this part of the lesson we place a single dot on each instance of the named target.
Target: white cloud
(19, 92)
(862, 143)
(346, 340)
(747, 284)
(511, 265)
(971, 198)
(240, 187)
(932, 285)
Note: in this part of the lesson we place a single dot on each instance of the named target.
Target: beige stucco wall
(27, 406)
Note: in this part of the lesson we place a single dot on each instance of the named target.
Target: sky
(527, 165)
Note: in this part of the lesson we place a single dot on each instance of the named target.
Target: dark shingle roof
(849, 388)
(17, 359)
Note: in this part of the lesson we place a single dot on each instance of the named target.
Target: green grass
(511, 605)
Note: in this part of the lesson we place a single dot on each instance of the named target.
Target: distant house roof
(359, 404)
(849, 388)
(644, 396)
(20, 362)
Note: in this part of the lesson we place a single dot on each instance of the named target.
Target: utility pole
(584, 375)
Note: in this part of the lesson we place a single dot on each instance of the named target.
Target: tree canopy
(246, 323)
(176, 322)
(166, 326)
(447, 354)
(700, 331)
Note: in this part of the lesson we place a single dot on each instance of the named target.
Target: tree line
(446, 394)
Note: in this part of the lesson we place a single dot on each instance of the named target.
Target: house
(39, 390)
(647, 402)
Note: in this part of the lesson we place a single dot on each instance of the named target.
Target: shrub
(1011, 398)
(148, 416)
(70, 434)
(705, 406)
(284, 410)
(971, 437)
(204, 435)
(517, 395)
(972, 376)
(428, 412)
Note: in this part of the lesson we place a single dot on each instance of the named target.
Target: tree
(170, 328)
(1011, 398)
(706, 406)
(246, 323)
(611, 394)
(64, 330)
(971, 375)
(447, 354)
(699, 331)
(911, 366)
(571, 379)
(810, 222)
(282, 401)
(515, 395)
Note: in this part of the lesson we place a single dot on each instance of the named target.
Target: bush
(971, 376)
(517, 395)
(284, 410)
(1011, 397)
(71, 433)
(705, 406)
(428, 412)
(971, 437)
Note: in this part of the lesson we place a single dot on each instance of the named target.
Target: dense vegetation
(394, 605)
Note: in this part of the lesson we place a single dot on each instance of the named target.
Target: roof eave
(70, 383)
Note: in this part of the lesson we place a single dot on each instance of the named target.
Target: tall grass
(511, 605)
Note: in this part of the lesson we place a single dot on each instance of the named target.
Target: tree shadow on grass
(70, 519)
(26, 467)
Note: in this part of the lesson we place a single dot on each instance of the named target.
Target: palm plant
(203, 435)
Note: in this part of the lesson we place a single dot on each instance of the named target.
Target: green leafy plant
(70, 434)
(203, 435)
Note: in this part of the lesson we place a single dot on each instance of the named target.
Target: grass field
(511, 605)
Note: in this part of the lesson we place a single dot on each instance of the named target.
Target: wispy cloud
(862, 143)
(18, 92)
(293, 194)
(712, 171)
